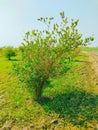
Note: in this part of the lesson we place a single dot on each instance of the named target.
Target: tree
(46, 52)
(9, 52)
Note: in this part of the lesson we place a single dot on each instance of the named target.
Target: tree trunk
(38, 93)
(39, 90)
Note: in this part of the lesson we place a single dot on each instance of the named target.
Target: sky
(19, 16)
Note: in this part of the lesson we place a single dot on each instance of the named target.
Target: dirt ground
(93, 55)
(93, 58)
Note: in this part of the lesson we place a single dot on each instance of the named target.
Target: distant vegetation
(9, 52)
(90, 48)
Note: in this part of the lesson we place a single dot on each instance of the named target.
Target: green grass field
(70, 102)
(90, 49)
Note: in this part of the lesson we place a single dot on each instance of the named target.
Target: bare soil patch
(93, 57)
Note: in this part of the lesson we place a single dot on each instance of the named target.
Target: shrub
(46, 52)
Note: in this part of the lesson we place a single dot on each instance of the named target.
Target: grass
(90, 49)
(71, 102)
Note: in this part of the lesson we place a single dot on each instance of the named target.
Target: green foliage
(46, 52)
(9, 52)
(21, 49)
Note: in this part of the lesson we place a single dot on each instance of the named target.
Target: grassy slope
(70, 102)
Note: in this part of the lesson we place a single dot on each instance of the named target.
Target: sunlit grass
(90, 48)
(70, 102)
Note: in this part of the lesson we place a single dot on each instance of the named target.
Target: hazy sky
(20, 16)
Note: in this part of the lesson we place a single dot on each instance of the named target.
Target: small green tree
(46, 52)
(9, 52)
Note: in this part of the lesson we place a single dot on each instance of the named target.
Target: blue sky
(20, 16)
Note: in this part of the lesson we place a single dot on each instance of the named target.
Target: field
(70, 103)
(90, 48)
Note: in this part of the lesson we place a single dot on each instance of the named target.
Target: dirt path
(93, 55)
